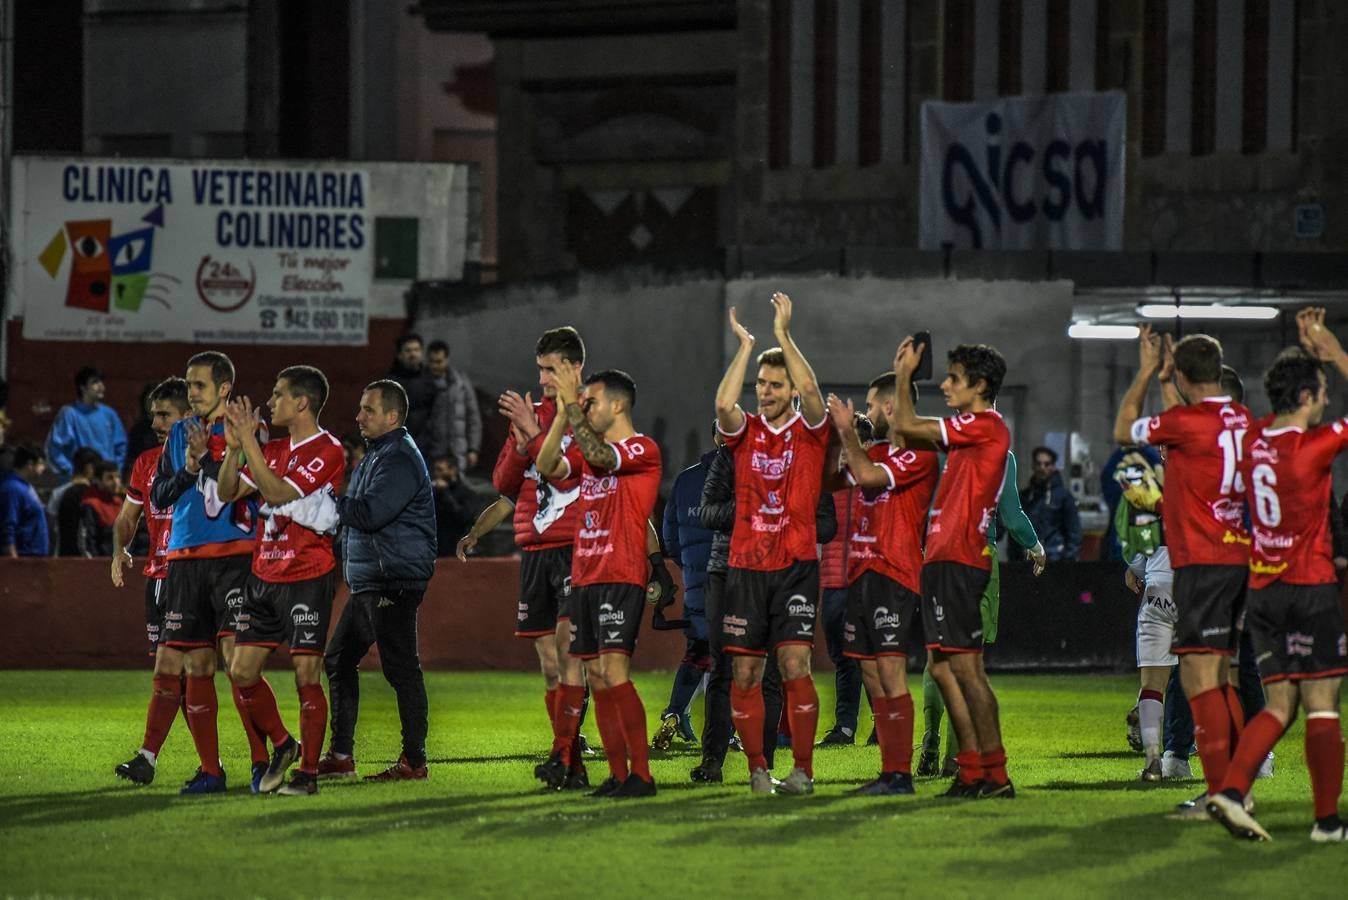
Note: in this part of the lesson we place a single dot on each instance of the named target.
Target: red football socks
(971, 766)
(550, 701)
(257, 705)
(802, 711)
(202, 708)
(746, 709)
(1212, 731)
(894, 727)
(633, 715)
(1257, 738)
(257, 746)
(1324, 759)
(994, 765)
(566, 719)
(1236, 711)
(164, 701)
(313, 723)
(610, 723)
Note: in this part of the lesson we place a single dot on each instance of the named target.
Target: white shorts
(1156, 619)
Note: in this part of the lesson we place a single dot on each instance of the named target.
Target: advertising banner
(1024, 173)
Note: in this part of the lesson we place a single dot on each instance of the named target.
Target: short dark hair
(222, 368)
(306, 381)
(83, 458)
(773, 356)
(888, 383)
(25, 454)
(438, 346)
(980, 361)
(617, 383)
(1198, 358)
(1052, 454)
(392, 396)
(565, 342)
(407, 338)
(1232, 385)
(1292, 372)
(173, 390)
(103, 467)
(85, 375)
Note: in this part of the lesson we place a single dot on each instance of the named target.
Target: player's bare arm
(1149, 350)
(918, 432)
(596, 450)
(549, 461)
(1170, 395)
(1319, 341)
(728, 412)
(487, 520)
(123, 532)
(864, 472)
(802, 376)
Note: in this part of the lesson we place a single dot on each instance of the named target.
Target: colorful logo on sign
(107, 271)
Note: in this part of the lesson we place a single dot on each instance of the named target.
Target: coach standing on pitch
(388, 517)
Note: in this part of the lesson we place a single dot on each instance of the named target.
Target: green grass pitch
(481, 826)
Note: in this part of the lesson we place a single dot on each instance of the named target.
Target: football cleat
(797, 783)
(330, 766)
(552, 771)
(990, 790)
(1173, 766)
(203, 783)
(402, 770)
(735, 744)
(607, 789)
(888, 784)
(664, 735)
(1232, 815)
(585, 748)
(962, 790)
(282, 758)
(1152, 772)
(761, 782)
(1333, 833)
(576, 779)
(137, 769)
(837, 737)
(1194, 810)
(259, 769)
(634, 786)
(686, 732)
(1266, 767)
(301, 783)
(1134, 730)
(707, 772)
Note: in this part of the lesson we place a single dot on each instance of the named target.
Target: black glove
(661, 591)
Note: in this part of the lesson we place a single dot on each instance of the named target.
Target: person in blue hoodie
(88, 422)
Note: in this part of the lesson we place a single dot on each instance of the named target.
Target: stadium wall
(65, 613)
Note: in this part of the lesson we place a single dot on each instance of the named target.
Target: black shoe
(137, 769)
(576, 780)
(928, 763)
(607, 789)
(958, 790)
(552, 772)
(634, 786)
(874, 739)
(708, 772)
(301, 784)
(988, 790)
(837, 738)
(585, 748)
(282, 758)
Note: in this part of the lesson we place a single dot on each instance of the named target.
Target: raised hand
(520, 412)
(1318, 340)
(1167, 359)
(197, 437)
(781, 317)
(842, 414)
(1148, 349)
(907, 357)
(567, 381)
(739, 330)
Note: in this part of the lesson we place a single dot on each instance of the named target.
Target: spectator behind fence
(456, 421)
(23, 522)
(88, 422)
(410, 371)
(64, 504)
(98, 511)
(455, 504)
(1051, 508)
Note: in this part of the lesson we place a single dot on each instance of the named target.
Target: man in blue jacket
(690, 543)
(23, 522)
(387, 522)
(88, 422)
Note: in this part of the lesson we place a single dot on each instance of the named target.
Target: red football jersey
(546, 512)
(1204, 516)
(159, 522)
(614, 509)
(778, 474)
(1287, 478)
(287, 551)
(966, 500)
(887, 524)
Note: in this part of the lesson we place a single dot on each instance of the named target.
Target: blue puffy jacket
(388, 518)
(685, 538)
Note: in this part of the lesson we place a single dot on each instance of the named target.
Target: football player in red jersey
(883, 572)
(288, 595)
(958, 560)
(168, 404)
(772, 586)
(619, 473)
(1203, 517)
(1293, 613)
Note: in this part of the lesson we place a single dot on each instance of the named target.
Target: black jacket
(718, 510)
(421, 390)
(387, 517)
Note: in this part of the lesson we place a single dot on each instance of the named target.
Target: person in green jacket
(1022, 532)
